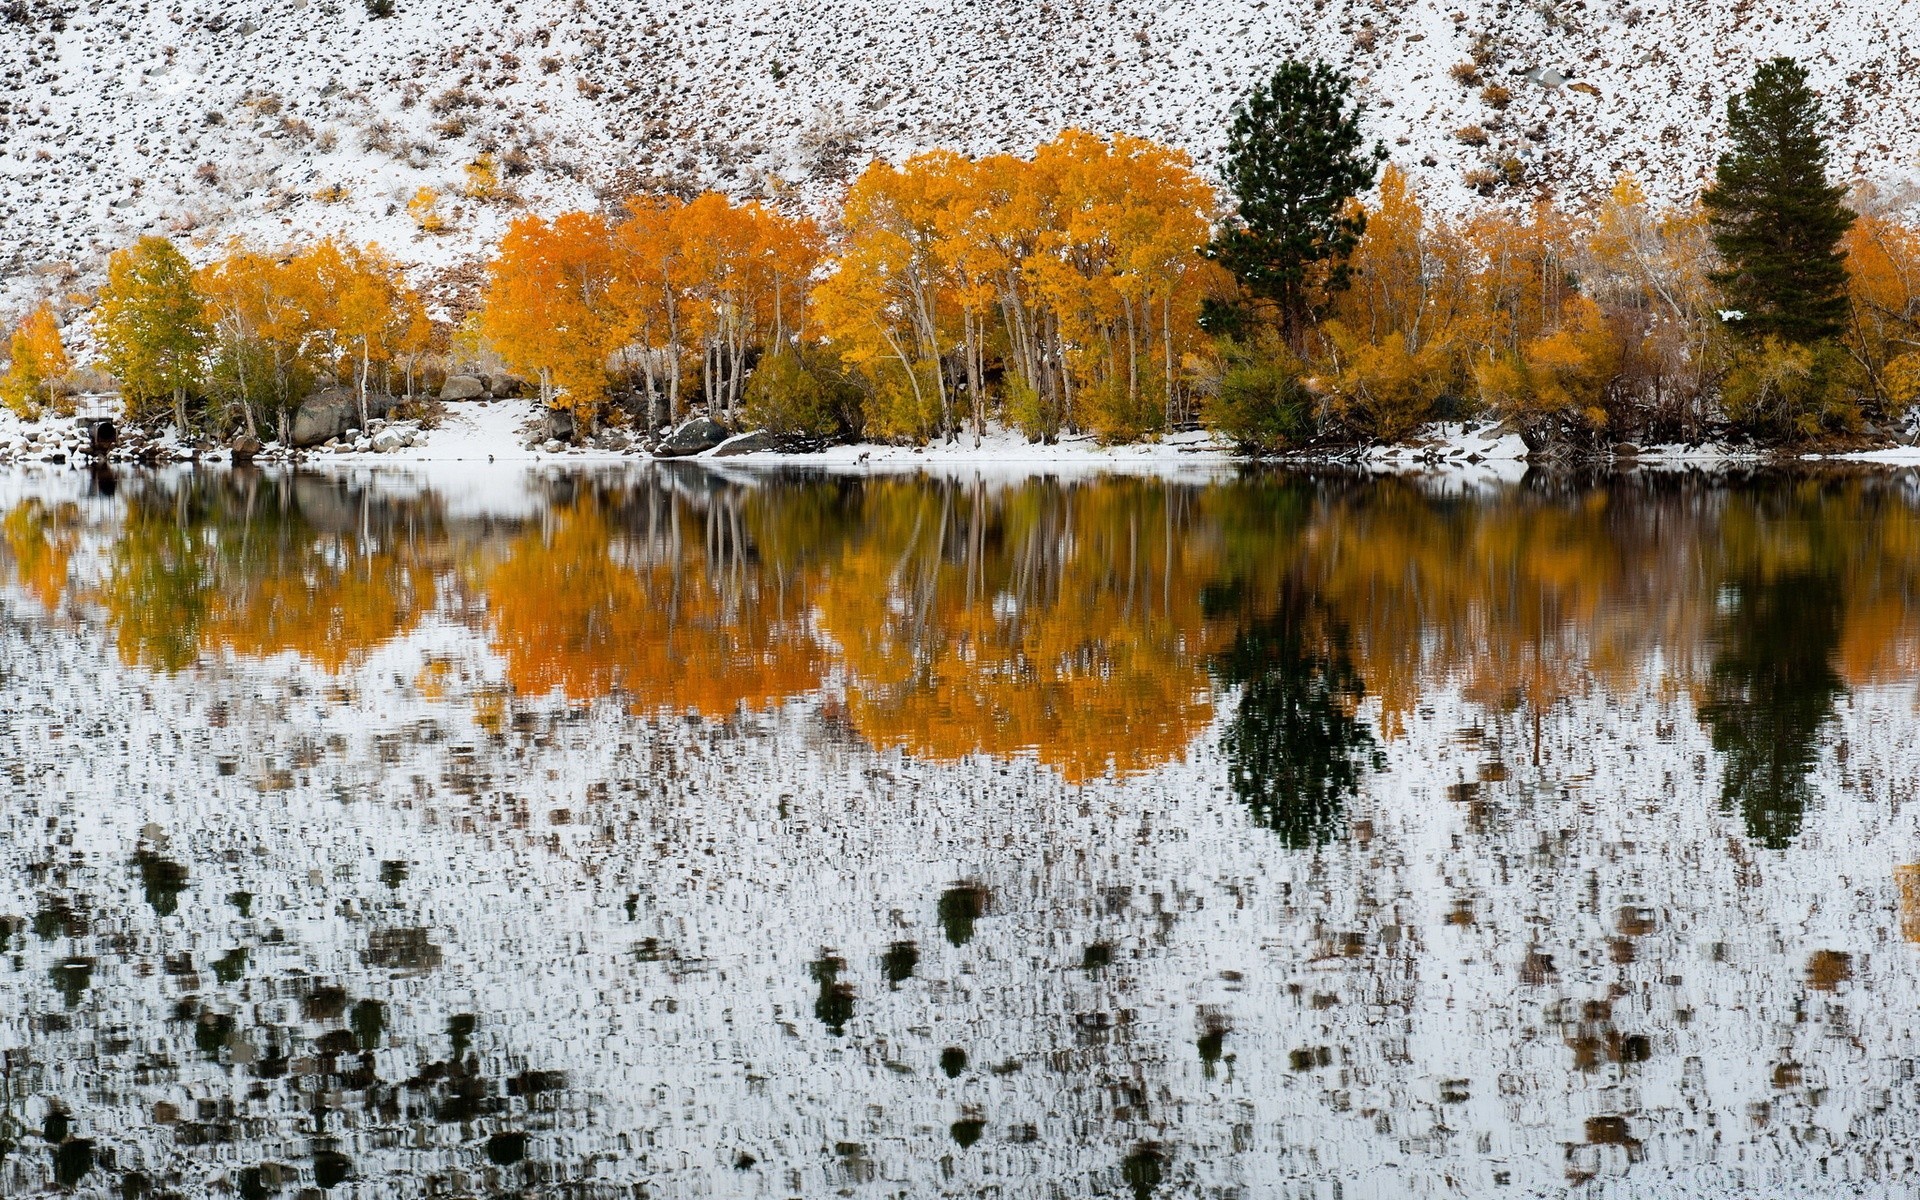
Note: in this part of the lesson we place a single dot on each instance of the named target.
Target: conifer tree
(1295, 160)
(1776, 221)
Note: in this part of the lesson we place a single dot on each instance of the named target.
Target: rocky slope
(205, 119)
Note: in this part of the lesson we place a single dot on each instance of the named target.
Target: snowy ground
(498, 432)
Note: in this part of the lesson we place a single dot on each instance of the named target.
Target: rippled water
(669, 834)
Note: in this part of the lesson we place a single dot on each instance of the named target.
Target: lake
(662, 832)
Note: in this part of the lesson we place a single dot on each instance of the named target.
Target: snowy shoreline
(479, 433)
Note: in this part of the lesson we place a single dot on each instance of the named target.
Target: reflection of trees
(1770, 689)
(1295, 748)
(661, 601)
(260, 565)
(1086, 623)
(41, 539)
(1059, 620)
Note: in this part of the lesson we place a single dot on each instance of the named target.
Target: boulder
(560, 426)
(463, 387)
(507, 387)
(701, 433)
(329, 414)
(389, 440)
(245, 447)
(747, 443)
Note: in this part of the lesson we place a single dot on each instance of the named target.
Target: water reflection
(669, 833)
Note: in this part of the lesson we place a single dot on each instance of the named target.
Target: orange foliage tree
(549, 306)
(1080, 269)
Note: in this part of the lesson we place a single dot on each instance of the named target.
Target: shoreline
(480, 433)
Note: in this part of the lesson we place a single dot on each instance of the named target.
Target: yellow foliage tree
(38, 363)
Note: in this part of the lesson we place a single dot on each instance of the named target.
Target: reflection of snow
(1379, 1018)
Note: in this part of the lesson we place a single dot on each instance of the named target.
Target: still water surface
(660, 833)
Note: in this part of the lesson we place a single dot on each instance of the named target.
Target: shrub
(1781, 391)
(1495, 96)
(1555, 384)
(424, 208)
(1385, 390)
(483, 177)
(802, 394)
(379, 10)
(1258, 398)
(1465, 74)
(1472, 135)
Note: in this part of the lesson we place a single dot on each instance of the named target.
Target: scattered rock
(245, 447)
(701, 433)
(463, 387)
(389, 440)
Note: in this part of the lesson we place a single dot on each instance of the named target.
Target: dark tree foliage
(1295, 750)
(1772, 686)
(959, 907)
(1295, 160)
(1775, 219)
(833, 1007)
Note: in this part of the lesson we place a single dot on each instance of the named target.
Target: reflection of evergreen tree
(1771, 688)
(1294, 749)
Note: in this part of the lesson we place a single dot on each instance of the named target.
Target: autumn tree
(548, 307)
(360, 310)
(1296, 159)
(1122, 271)
(1652, 270)
(1883, 305)
(152, 326)
(259, 323)
(1398, 333)
(887, 303)
(37, 364)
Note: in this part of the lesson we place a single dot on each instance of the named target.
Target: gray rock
(507, 387)
(560, 426)
(701, 433)
(329, 414)
(747, 443)
(463, 387)
(389, 440)
(245, 447)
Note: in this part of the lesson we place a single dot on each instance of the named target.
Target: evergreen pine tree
(1775, 220)
(1294, 161)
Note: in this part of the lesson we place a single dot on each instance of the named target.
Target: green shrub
(1780, 391)
(1258, 397)
(802, 394)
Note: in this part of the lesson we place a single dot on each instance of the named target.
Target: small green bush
(802, 394)
(1780, 391)
(1259, 398)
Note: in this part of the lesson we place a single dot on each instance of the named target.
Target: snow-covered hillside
(283, 120)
